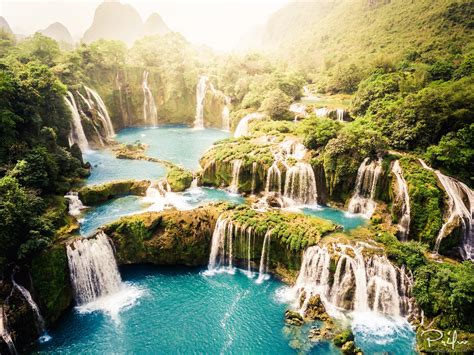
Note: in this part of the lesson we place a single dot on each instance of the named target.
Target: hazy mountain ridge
(58, 32)
(4, 25)
(113, 20)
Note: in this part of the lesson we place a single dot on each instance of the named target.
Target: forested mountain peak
(4, 25)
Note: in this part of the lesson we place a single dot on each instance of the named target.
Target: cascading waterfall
(226, 115)
(221, 247)
(93, 268)
(75, 204)
(230, 240)
(264, 258)
(4, 333)
(293, 149)
(273, 182)
(150, 111)
(243, 126)
(101, 111)
(234, 186)
(460, 206)
(402, 199)
(201, 89)
(321, 112)
(362, 200)
(358, 284)
(300, 184)
(40, 323)
(77, 134)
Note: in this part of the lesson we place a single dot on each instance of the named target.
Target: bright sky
(217, 23)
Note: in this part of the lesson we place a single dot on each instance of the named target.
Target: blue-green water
(93, 218)
(178, 310)
(345, 219)
(183, 311)
(106, 167)
(179, 144)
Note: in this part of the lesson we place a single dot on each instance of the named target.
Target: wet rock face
(293, 318)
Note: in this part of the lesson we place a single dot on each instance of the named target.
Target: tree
(276, 104)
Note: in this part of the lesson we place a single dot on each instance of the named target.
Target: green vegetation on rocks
(95, 194)
(179, 178)
(426, 201)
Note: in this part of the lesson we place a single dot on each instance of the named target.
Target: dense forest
(402, 71)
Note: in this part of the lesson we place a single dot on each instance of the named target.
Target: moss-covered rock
(165, 238)
(179, 179)
(95, 194)
(50, 280)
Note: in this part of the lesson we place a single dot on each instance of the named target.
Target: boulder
(293, 318)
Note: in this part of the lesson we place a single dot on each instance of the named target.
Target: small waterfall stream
(150, 111)
(40, 323)
(234, 186)
(273, 182)
(226, 115)
(242, 128)
(402, 199)
(460, 206)
(77, 134)
(264, 258)
(93, 268)
(101, 111)
(4, 333)
(75, 204)
(340, 114)
(300, 184)
(363, 199)
(201, 89)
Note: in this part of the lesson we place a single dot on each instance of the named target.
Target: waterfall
(298, 109)
(362, 200)
(300, 184)
(321, 112)
(264, 258)
(77, 134)
(273, 179)
(40, 323)
(340, 114)
(93, 268)
(460, 206)
(254, 177)
(358, 284)
(221, 256)
(200, 96)
(403, 200)
(234, 186)
(101, 111)
(226, 115)
(75, 204)
(243, 126)
(293, 149)
(4, 333)
(249, 251)
(149, 106)
(230, 240)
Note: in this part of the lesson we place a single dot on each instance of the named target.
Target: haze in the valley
(219, 24)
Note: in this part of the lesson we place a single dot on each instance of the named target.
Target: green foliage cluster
(295, 230)
(426, 201)
(241, 148)
(343, 154)
(444, 291)
(319, 131)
